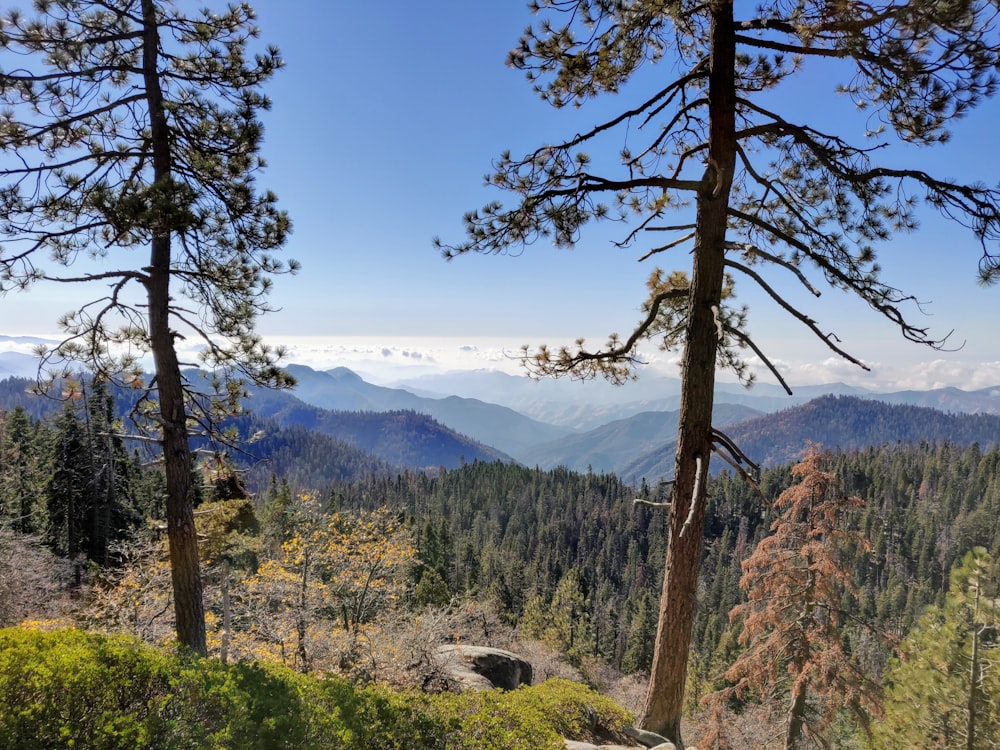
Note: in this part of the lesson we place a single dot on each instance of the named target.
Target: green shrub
(539, 716)
(74, 690)
(71, 689)
(522, 719)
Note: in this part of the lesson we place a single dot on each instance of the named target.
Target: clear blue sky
(385, 120)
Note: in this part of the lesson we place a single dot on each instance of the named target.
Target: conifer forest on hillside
(364, 575)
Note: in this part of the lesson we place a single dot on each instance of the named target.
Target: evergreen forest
(364, 576)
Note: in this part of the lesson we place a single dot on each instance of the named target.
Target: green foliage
(561, 622)
(515, 533)
(941, 692)
(512, 533)
(537, 717)
(22, 479)
(638, 654)
(69, 689)
(70, 479)
(68, 488)
(56, 691)
(522, 719)
(431, 590)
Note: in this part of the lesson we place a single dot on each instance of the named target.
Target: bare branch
(777, 260)
(804, 319)
(749, 342)
(662, 248)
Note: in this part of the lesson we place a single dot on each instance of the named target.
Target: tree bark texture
(184, 564)
(665, 698)
(796, 716)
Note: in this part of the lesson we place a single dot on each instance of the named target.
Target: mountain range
(837, 423)
(638, 443)
(494, 416)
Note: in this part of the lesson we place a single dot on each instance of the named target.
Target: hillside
(519, 535)
(310, 445)
(304, 457)
(836, 423)
(401, 436)
(503, 428)
(567, 557)
(615, 445)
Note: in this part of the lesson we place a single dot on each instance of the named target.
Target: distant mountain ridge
(367, 440)
(402, 437)
(836, 423)
(500, 427)
(586, 406)
(403, 428)
(612, 446)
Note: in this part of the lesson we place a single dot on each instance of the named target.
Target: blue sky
(385, 120)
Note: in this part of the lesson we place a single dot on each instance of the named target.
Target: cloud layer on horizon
(387, 359)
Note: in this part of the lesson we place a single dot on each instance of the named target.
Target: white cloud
(384, 359)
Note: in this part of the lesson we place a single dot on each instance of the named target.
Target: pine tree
(756, 195)
(638, 655)
(21, 473)
(941, 692)
(799, 598)
(134, 124)
(68, 492)
(113, 513)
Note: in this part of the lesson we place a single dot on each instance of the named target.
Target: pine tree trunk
(300, 622)
(184, 565)
(227, 615)
(665, 698)
(796, 716)
(975, 684)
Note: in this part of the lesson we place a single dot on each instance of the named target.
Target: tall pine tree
(755, 194)
(134, 124)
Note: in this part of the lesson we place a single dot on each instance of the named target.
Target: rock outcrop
(482, 668)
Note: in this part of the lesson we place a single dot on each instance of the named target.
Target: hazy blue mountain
(835, 422)
(588, 405)
(952, 400)
(32, 340)
(18, 365)
(585, 406)
(351, 440)
(497, 426)
(572, 404)
(614, 446)
(402, 437)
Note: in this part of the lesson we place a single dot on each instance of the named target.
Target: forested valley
(365, 576)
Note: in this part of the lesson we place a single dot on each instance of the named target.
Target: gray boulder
(482, 668)
(649, 739)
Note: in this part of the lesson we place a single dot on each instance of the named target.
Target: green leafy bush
(528, 718)
(71, 689)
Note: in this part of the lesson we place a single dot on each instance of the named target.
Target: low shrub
(71, 689)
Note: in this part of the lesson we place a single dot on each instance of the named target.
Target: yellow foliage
(47, 625)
